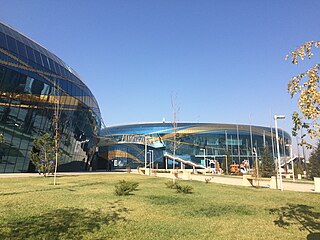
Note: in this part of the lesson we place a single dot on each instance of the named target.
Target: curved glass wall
(218, 140)
(32, 80)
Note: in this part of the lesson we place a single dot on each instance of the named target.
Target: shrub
(179, 188)
(171, 184)
(184, 189)
(125, 188)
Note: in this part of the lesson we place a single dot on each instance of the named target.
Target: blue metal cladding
(218, 139)
(31, 80)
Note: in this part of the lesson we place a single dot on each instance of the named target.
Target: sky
(222, 61)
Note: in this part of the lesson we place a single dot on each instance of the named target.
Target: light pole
(204, 156)
(145, 152)
(254, 151)
(276, 117)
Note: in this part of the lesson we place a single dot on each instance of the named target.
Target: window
(3, 42)
(51, 65)
(45, 61)
(30, 53)
(38, 58)
(22, 49)
(57, 68)
(12, 44)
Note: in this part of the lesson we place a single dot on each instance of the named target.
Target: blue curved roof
(165, 128)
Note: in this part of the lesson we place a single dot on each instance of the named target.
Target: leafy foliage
(314, 163)
(124, 188)
(308, 91)
(43, 154)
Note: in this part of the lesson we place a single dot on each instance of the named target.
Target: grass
(85, 207)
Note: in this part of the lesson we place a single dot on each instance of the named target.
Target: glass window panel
(3, 42)
(12, 44)
(63, 71)
(45, 61)
(64, 85)
(51, 64)
(30, 53)
(22, 49)
(57, 68)
(37, 56)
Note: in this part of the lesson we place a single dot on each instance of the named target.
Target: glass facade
(32, 80)
(218, 140)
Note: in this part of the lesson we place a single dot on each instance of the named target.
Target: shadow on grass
(223, 210)
(164, 200)
(301, 215)
(50, 187)
(65, 223)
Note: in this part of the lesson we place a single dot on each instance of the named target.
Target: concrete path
(235, 180)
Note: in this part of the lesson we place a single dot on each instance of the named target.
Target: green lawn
(85, 207)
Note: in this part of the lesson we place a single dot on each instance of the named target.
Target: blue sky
(223, 60)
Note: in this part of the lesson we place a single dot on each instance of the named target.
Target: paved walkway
(287, 186)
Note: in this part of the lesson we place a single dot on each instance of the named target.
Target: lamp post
(254, 151)
(145, 151)
(204, 156)
(276, 117)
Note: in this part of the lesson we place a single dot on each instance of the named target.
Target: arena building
(32, 81)
(160, 145)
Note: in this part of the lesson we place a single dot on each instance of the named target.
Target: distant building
(194, 142)
(28, 74)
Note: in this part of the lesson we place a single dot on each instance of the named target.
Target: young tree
(313, 169)
(267, 166)
(308, 91)
(225, 164)
(43, 154)
(298, 169)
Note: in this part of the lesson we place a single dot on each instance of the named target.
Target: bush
(179, 188)
(125, 188)
(171, 185)
(184, 189)
(207, 180)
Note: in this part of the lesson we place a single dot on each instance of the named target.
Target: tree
(267, 165)
(314, 163)
(298, 168)
(43, 154)
(308, 91)
(226, 167)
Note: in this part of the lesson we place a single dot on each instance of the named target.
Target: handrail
(183, 161)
